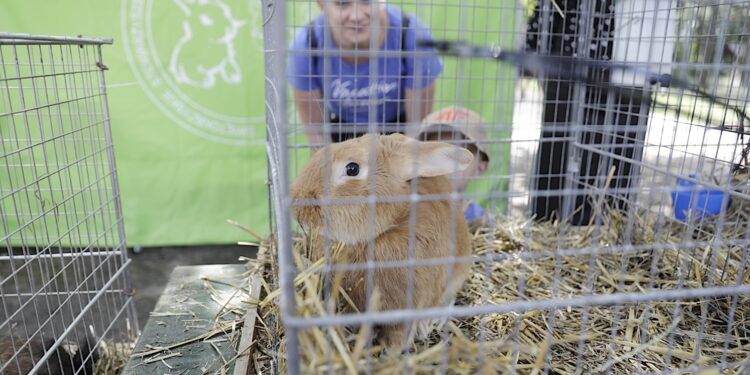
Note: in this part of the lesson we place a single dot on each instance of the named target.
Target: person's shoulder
(302, 35)
(397, 16)
(416, 27)
(394, 14)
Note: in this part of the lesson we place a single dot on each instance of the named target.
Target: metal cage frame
(587, 130)
(65, 248)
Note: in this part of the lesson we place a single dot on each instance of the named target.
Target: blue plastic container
(699, 203)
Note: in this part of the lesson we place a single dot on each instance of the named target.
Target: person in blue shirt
(341, 87)
(467, 129)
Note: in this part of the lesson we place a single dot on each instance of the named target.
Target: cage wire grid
(574, 156)
(63, 281)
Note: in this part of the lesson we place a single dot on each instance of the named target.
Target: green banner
(187, 112)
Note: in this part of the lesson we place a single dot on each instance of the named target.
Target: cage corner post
(275, 54)
(123, 245)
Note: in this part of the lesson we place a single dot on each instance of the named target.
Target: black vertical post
(550, 33)
(626, 111)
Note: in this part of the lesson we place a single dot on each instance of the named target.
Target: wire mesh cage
(66, 298)
(584, 211)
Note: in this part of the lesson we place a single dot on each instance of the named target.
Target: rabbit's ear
(429, 159)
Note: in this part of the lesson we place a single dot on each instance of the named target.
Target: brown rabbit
(347, 169)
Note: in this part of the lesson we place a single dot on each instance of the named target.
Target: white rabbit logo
(192, 58)
(209, 32)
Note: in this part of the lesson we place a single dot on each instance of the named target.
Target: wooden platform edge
(242, 363)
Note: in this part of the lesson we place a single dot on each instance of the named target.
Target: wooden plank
(242, 366)
(186, 310)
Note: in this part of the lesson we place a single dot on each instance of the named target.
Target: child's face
(351, 21)
(477, 167)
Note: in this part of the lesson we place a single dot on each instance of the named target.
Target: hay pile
(529, 261)
(112, 357)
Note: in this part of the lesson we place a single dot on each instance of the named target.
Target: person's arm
(309, 106)
(419, 103)
(419, 91)
(301, 74)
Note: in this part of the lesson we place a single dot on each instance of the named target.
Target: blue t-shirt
(350, 86)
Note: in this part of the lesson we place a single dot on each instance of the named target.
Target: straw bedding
(552, 260)
(112, 357)
(541, 261)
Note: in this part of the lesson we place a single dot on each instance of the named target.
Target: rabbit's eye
(352, 169)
